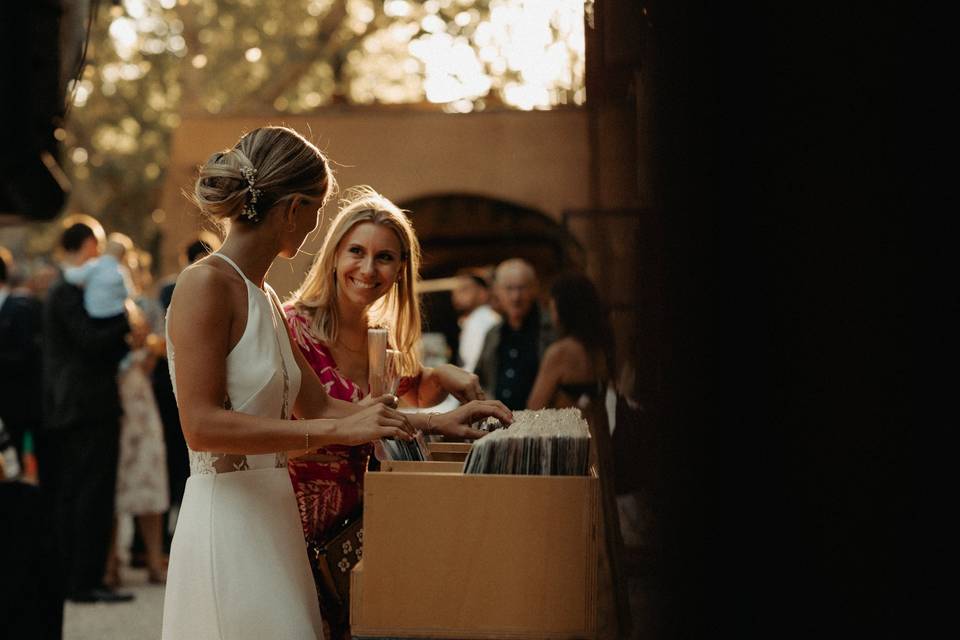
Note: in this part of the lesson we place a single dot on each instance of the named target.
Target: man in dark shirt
(20, 399)
(78, 446)
(512, 349)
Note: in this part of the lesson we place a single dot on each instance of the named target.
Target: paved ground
(141, 619)
(137, 620)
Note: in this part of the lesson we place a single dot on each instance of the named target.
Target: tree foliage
(150, 62)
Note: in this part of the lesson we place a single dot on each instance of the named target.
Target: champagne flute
(376, 359)
(391, 371)
(417, 449)
(385, 448)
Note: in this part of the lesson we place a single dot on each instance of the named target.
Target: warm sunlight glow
(151, 62)
(462, 54)
(531, 54)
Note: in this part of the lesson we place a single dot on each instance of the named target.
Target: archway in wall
(460, 231)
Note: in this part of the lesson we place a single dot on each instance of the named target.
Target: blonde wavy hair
(398, 310)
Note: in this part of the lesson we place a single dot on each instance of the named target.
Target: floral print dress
(328, 492)
(142, 486)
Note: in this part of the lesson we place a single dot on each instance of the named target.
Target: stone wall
(536, 160)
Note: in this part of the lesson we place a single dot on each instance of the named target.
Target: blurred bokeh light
(152, 61)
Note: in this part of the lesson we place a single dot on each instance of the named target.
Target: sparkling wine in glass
(391, 371)
(377, 360)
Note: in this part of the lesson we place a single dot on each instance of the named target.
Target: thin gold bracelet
(429, 428)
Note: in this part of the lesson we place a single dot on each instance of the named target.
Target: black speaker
(32, 88)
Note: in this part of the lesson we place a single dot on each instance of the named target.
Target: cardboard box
(448, 555)
(449, 451)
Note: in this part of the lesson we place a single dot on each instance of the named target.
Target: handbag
(332, 559)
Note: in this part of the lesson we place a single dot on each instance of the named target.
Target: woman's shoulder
(565, 348)
(300, 321)
(296, 313)
(205, 303)
(206, 274)
(203, 284)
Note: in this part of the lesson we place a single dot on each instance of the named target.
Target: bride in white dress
(238, 563)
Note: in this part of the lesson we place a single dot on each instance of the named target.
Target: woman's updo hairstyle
(265, 167)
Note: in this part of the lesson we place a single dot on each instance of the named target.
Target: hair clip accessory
(253, 194)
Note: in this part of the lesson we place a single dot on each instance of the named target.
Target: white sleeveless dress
(238, 561)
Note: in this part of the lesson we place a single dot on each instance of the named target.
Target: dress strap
(275, 301)
(232, 264)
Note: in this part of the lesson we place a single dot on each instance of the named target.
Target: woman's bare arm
(199, 320)
(435, 383)
(458, 423)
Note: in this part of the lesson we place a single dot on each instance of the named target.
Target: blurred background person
(579, 370)
(471, 299)
(577, 367)
(78, 446)
(20, 368)
(576, 371)
(105, 280)
(42, 273)
(512, 349)
(142, 487)
(31, 597)
(203, 245)
(138, 264)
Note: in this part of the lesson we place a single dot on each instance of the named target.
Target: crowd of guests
(87, 385)
(529, 355)
(88, 424)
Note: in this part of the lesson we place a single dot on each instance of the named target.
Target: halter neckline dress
(238, 562)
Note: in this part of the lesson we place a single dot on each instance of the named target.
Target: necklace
(343, 345)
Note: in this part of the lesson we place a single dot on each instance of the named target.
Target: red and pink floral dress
(327, 492)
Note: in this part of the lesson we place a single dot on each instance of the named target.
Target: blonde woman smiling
(365, 275)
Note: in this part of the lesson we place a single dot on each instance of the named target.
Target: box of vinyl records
(449, 451)
(490, 555)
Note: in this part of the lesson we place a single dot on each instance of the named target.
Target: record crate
(449, 451)
(448, 555)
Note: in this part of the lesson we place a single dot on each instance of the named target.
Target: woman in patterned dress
(364, 276)
(142, 490)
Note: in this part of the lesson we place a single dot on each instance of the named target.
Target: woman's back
(262, 375)
(569, 372)
(575, 368)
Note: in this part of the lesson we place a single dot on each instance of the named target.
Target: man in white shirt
(471, 299)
